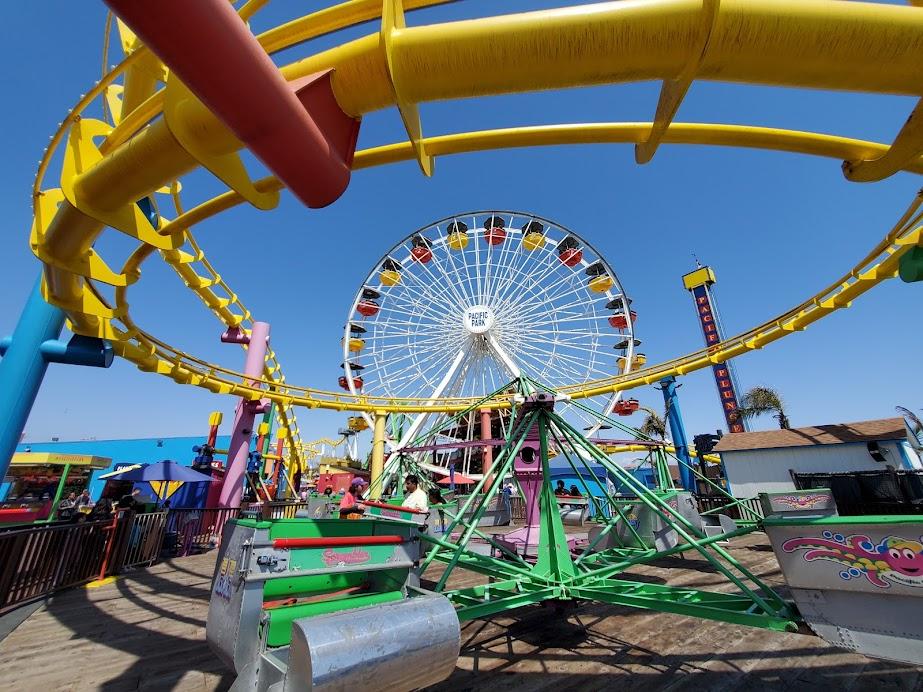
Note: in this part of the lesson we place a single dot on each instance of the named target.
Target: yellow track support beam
(907, 147)
(674, 91)
(808, 43)
(378, 455)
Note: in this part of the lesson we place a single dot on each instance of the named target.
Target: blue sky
(776, 227)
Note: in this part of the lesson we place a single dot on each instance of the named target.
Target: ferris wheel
(463, 306)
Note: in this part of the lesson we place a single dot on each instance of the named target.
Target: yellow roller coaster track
(107, 167)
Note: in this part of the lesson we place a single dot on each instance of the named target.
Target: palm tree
(654, 426)
(759, 400)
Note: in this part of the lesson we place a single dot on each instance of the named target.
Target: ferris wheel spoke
(414, 306)
(574, 366)
(414, 375)
(505, 265)
(418, 307)
(504, 357)
(558, 304)
(398, 350)
(437, 392)
(553, 297)
(542, 260)
(449, 298)
(415, 367)
(538, 285)
(465, 286)
(446, 290)
(454, 295)
(560, 353)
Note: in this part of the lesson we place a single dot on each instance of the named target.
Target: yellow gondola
(533, 236)
(458, 240)
(389, 277)
(601, 283)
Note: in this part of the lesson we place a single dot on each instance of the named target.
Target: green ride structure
(323, 604)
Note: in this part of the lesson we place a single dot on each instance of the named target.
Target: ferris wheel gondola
(467, 304)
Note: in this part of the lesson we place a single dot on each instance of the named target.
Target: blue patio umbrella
(163, 471)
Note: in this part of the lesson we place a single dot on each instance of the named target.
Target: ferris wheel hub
(478, 319)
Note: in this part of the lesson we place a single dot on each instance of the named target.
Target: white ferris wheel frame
(457, 356)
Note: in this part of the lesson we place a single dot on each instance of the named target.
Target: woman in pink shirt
(349, 505)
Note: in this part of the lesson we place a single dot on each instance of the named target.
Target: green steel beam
(680, 524)
(501, 605)
(702, 604)
(553, 559)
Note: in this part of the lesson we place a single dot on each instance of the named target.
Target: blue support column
(678, 432)
(25, 357)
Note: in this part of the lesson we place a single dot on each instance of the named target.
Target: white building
(763, 461)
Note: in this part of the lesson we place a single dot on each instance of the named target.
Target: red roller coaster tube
(298, 130)
(396, 508)
(336, 541)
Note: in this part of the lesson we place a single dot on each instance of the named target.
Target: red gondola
(620, 320)
(569, 251)
(367, 308)
(421, 254)
(626, 407)
(494, 230)
(421, 249)
(344, 383)
(368, 302)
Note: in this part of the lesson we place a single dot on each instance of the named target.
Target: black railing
(869, 492)
(189, 531)
(37, 561)
(745, 509)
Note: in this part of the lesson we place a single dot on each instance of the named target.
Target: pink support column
(239, 447)
(488, 453)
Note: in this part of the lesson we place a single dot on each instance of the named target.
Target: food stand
(36, 482)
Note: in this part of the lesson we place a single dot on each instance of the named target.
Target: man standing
(414, 497)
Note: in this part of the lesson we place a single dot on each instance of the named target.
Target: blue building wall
(127, 452)
(563, 471)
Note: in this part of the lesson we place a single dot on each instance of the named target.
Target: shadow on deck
(146, 631)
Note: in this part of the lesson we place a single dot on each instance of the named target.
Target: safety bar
(395, 508)
(336, 541)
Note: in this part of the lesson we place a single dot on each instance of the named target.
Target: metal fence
(38, 561)
(190, 531)
(869, 492)
(281, 510)
(518, 508)
(143, 540)
(744, 509)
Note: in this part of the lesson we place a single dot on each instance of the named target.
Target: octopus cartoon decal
(893, 560)
(801, 501)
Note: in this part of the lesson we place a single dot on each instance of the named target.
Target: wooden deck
(146, 631)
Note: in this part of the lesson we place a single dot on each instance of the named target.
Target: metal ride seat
(574, 509)
(297, 603)
(649, 530)
(857, 580)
